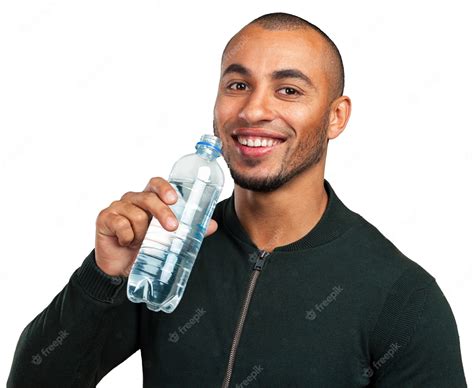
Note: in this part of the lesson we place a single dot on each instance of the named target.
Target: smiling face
(273, 105)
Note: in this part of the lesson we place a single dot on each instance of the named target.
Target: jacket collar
(335, 221)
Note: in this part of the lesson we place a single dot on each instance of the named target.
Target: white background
(97, 97)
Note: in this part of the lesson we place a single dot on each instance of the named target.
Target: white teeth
(257, 142)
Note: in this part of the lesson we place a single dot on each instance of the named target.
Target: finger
(150, 202)
(119, 226)
(163, 188)
(139, 219)
(211, 228)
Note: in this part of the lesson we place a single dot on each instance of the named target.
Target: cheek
(299, 117)
(224, 110)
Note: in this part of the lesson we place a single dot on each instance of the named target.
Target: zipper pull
(260, 260)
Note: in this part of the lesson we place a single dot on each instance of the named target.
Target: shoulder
(380, 258)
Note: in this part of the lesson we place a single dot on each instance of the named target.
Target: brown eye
(288, 91)
(237, 86)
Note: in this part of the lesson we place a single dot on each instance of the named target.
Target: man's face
(272, 107)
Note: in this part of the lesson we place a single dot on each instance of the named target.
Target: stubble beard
(308, 153)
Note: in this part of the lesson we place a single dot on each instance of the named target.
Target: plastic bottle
(164, 262)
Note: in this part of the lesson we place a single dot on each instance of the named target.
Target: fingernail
(171, 222)
(170, 196)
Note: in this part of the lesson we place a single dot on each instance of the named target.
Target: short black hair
(286, 21)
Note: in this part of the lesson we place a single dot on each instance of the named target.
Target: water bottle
(164, 262)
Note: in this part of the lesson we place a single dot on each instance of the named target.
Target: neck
(285, 215)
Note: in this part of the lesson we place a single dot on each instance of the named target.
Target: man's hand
(121, 228)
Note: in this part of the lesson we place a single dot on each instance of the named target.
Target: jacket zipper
(257, 268)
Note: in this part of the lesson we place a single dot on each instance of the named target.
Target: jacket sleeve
(89, 328)
(421, 348)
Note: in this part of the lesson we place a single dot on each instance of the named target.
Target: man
(292, 289)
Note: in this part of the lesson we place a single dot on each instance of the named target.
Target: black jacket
(341, 307)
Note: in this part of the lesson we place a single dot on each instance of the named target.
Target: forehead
(268, 50)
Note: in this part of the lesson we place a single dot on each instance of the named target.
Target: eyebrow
(292, 73)
(276, 75)
(236, 68)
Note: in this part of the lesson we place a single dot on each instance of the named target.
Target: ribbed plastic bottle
(164, 262)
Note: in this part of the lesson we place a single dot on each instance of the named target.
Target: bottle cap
(210, 141)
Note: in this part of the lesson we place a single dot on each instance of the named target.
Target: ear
(340, 111)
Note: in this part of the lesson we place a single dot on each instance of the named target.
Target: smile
(253, 141)
(256, 146)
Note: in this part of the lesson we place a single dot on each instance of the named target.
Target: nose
(257, 108)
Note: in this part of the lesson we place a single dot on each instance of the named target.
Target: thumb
(211, 228)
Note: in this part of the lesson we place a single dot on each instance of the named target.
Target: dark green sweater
(341, 307)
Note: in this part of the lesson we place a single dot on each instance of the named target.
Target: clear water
(165, 260)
